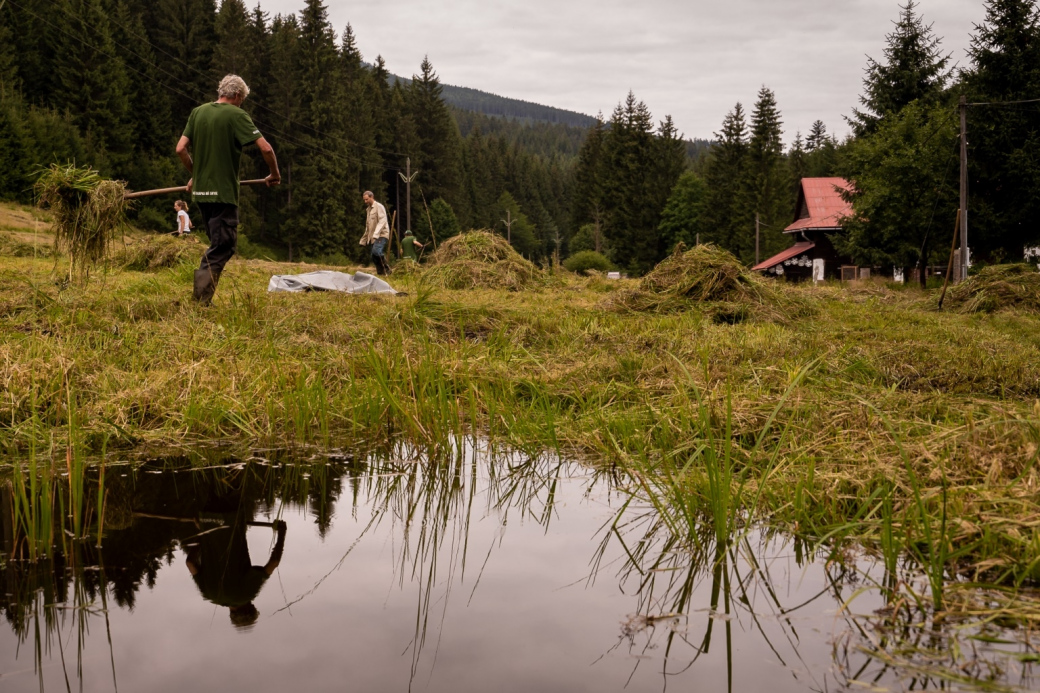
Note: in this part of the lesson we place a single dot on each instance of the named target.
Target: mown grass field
(864, 414)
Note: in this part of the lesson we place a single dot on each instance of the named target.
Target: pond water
(463, 572)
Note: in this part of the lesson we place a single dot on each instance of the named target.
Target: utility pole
(758, 224)
(408, 177)
(963, 107)
(508, 221)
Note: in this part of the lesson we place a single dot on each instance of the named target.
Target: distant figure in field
(183, 220)
(408, 246)
(377, 232)
(216, 133)
(223, 571)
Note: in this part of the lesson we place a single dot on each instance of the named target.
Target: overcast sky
(693, 59)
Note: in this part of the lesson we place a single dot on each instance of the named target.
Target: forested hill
(467, 99)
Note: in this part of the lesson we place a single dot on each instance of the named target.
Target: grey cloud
(692, 59)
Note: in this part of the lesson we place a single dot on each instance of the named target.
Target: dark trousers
(221, 221)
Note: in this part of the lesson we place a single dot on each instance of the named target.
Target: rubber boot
(205, 286)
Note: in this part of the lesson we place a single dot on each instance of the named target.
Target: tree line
(110, 83)
(901, 156)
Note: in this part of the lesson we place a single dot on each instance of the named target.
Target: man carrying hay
(377, 232)
(216, 133)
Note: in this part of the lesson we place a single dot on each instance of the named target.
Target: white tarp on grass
(327, 280)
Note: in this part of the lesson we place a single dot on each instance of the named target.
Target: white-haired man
(377, 232)
(216, 133)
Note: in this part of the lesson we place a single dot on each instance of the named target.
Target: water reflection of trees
(689, 590)
(426, 498)
(149, 511)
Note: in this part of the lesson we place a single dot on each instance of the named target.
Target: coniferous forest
(110, 83)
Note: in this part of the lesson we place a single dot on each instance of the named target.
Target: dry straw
(481, 259)
(997, 288)
(155, 253)
(706, 274)
(88, 212)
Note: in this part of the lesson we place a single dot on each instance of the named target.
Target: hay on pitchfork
(89, 212)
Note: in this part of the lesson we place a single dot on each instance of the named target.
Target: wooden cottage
(813, 257)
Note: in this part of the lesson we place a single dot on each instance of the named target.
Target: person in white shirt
(183, 220)
(377, 232)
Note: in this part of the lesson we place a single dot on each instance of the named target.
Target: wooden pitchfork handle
(181, 189)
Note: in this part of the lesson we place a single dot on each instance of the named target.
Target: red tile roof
(794, 251)
(822, 198)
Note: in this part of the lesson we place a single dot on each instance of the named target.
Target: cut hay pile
(708, 275)
(156, 252)
(88, 210)
(480, 260)
(998, 287)
(703, 273)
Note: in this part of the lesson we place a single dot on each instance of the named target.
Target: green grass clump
(88, 210)
(998, 287)
(480, 260)
(585, 260)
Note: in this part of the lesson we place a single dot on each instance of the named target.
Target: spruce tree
(671, 162)
(797, 162)
(360, 115)
(9, 82)
(914, 68)
(768, 180)
(150, 103)
(282, 89)
(31, 41)
(817, 136)
(587, 204)
(630, 187)
(92, 82)
(184, 35)
(440, 146)
(730, 213)
(325, 209)
(1004, 155)
(233, 52)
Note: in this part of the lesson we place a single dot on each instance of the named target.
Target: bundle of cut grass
(998, 287)
(88, 212)
(703, 273)
(480, 259)
(155, 252)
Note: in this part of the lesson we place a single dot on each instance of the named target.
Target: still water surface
(396, 572)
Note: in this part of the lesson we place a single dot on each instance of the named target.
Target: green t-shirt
(408, 247)
(218, 132)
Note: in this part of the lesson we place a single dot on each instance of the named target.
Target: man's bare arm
(185, 156)
(279, 545)
(267, 151)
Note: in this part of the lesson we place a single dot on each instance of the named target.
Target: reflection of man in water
(220, 565)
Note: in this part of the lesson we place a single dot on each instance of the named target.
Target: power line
(285, 136)
(1003, 103)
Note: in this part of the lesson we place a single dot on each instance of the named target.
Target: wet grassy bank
(865, 414)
